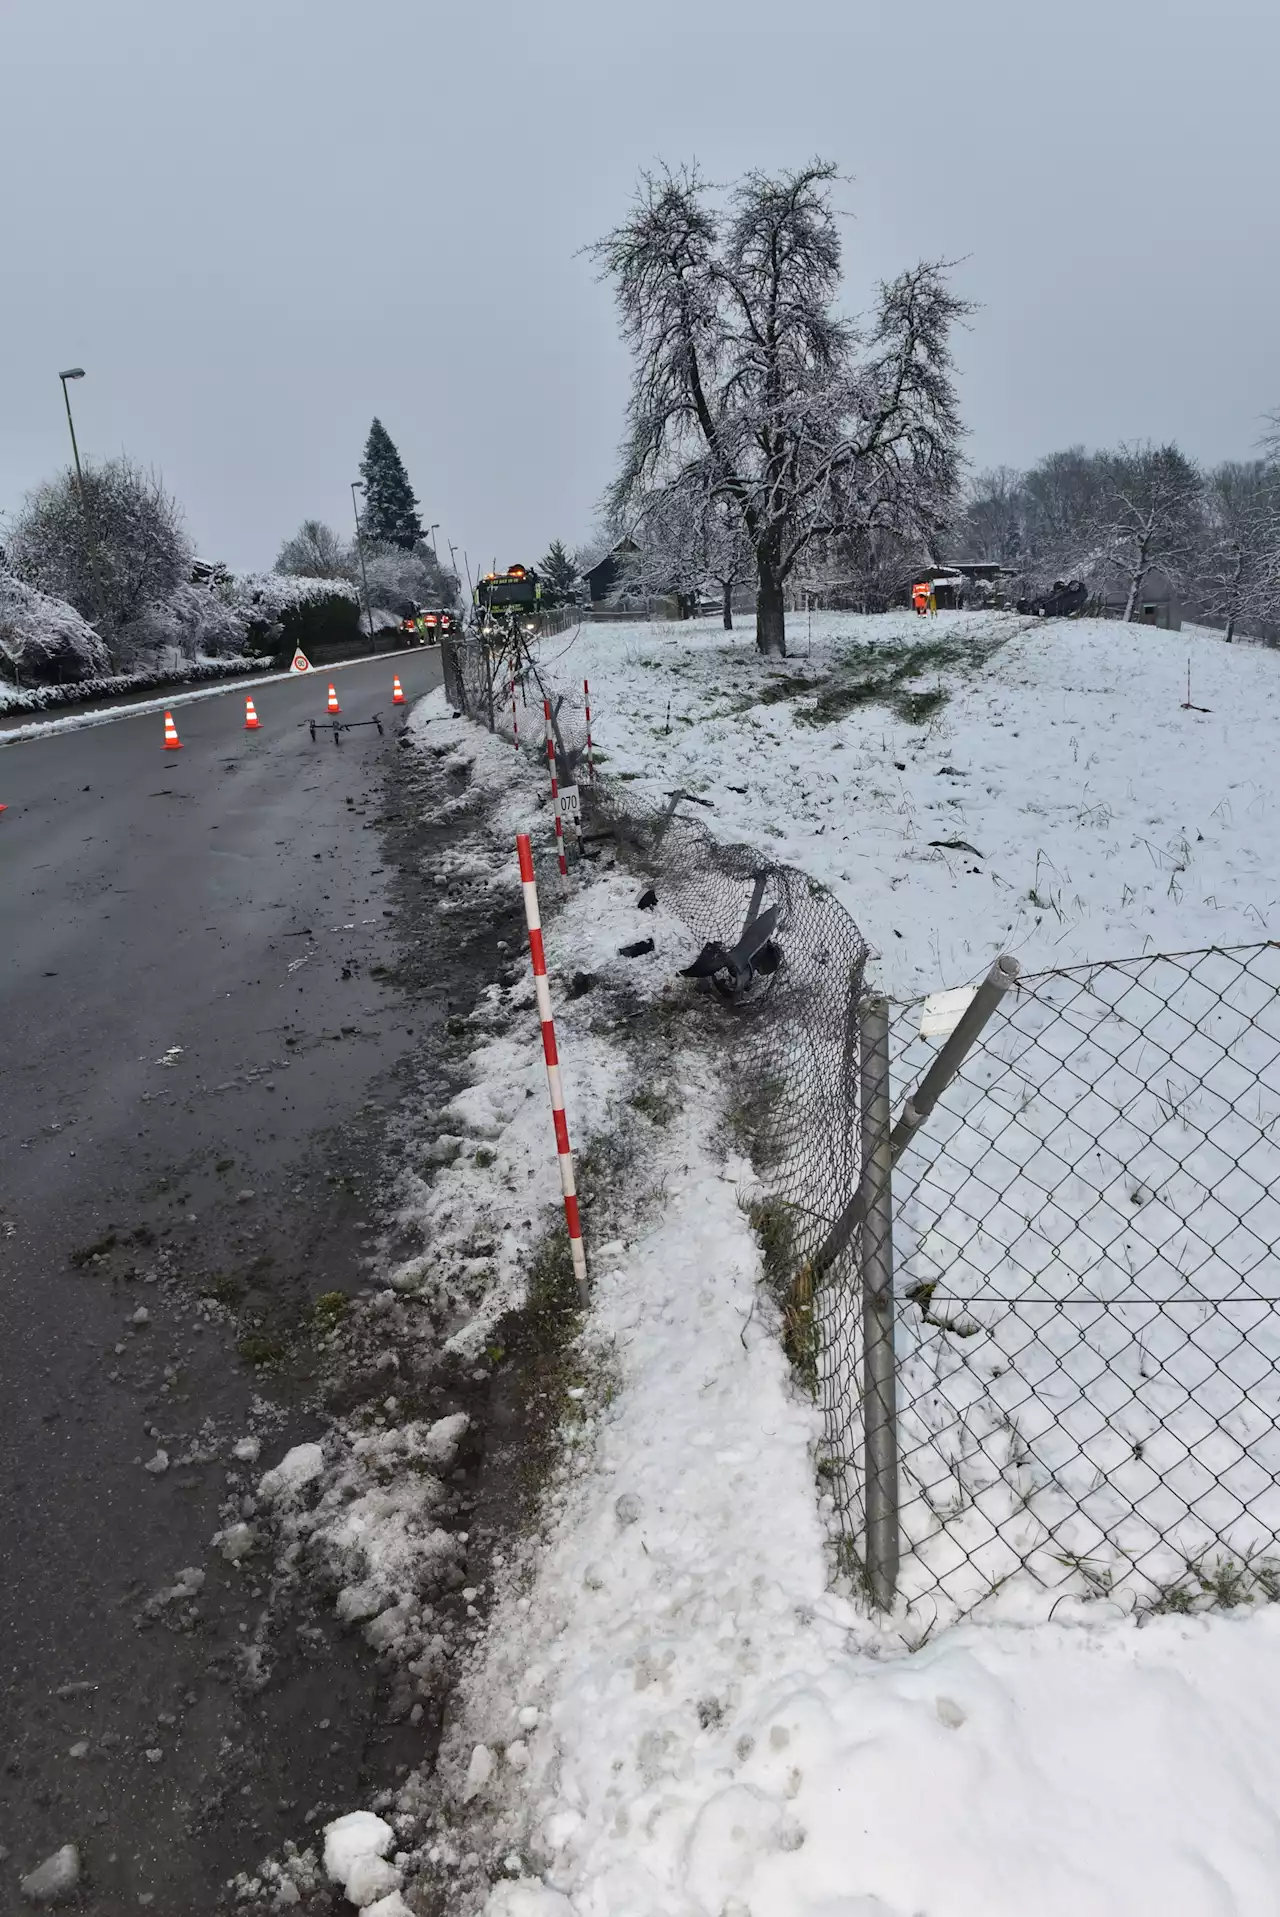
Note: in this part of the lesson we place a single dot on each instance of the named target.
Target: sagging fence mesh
(1082, 1304)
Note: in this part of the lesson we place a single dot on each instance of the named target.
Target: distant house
(1159, 602)
(603, 578)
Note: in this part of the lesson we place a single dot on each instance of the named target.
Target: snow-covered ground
(675, 1718)
(672, 1712)
(1106, 819)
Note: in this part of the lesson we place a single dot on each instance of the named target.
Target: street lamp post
(357, 487)
(94, 584)
(73, 372)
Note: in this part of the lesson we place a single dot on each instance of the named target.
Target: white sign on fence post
(570, 804)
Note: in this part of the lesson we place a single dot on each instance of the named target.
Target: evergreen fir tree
(390, 508)
(558, 573)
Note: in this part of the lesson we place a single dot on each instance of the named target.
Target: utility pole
(357, 486)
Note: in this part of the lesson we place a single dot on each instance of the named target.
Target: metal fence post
(999, 980)
(488, 686)
(879, 1363)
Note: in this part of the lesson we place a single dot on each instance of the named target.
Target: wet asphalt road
(196, 1033)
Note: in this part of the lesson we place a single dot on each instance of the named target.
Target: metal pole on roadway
(356, 487)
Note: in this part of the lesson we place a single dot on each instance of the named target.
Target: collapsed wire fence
(1030, 1272)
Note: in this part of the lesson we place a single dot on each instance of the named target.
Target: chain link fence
(1030, 1275)
(795, 1038)
(1088, 1291)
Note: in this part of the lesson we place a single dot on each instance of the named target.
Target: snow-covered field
(1106, 820)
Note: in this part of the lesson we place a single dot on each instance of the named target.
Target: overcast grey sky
(256, 223)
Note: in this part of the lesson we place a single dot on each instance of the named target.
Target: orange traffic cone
(250, 717)
(333, 700)
(172, 743)
(397, 691)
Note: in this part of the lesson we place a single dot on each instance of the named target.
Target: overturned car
(1064, 600)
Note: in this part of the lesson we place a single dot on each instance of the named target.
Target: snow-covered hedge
(268, 595)
(44, 638)
(50, 655)
(105, 686)
(282, 611)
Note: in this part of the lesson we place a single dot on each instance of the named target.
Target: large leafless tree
(747, 381)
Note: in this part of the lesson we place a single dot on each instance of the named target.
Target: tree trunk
(726, 598)
(1233, 596)
(1135, 586)
(771, 621)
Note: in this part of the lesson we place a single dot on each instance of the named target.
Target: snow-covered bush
(198, 622)
(110, 542)
(401, 581)
(45, 639)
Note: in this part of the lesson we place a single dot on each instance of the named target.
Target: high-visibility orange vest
(920, 596)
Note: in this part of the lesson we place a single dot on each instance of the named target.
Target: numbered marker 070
(570, 804)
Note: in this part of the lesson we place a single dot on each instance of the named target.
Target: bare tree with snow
(1063, 505)
(727, 553)
(316, 551)
(1236, 576)
(668, 561)
(689, 539)
(992, 524)
(1150, 514)
(745, 375)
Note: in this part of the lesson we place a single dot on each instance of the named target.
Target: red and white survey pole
(586, 700)
(543, 994)
(555, 790)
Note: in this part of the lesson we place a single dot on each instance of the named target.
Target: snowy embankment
(675, 1718)
(672, 1715)
(1089, 814)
